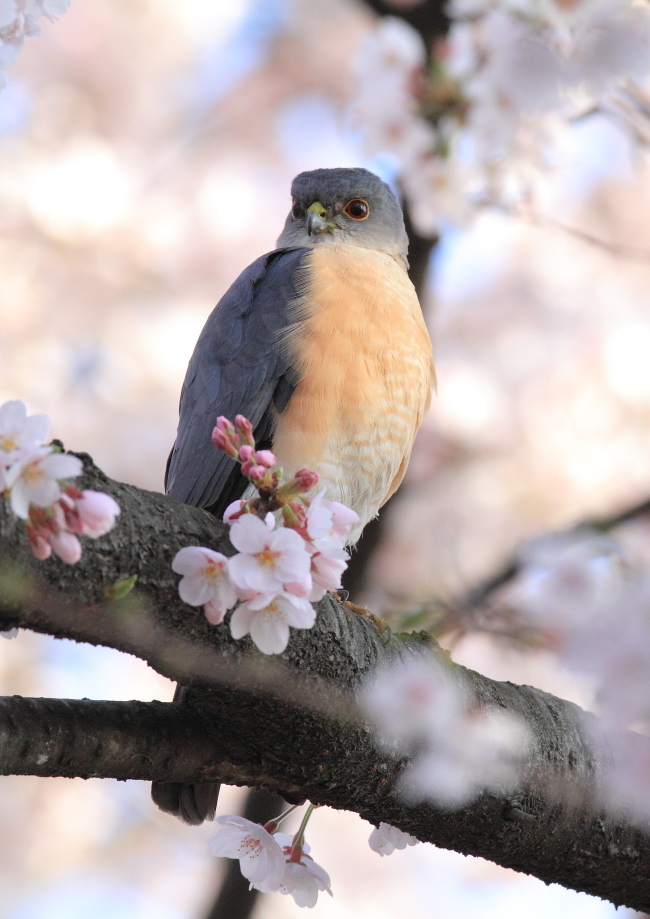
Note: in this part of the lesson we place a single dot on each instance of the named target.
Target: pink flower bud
(225, 426)
(39, 545)
(306, 479)
(223, 442)
(66, 546)
(245, 428)
(97, 512)
(255, 473)
(245, 453)
(265, 458)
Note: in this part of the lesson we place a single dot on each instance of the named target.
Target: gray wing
(237, 367)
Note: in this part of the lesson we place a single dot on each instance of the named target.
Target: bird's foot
(363, 611)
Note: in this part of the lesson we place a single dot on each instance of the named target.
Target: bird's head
(348, 206)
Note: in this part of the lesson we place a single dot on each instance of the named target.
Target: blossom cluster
(18, 21)
(33, 477)
(280, 568)
(458, 750)
(590, 605)
(509, 80)
(272, 861)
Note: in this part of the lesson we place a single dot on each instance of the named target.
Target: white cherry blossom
(302, 879)
(385, 838)
(19, 431)
(261, 859)
(35, 478)
(267, 619)
(206, 581)
(267, 559)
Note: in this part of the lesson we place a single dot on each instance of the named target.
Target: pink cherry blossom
(206, 581)
(97, 512)
(385, 838)
(267, 559)
(326, 573)
(329, 520)
(35, 478)
(267, 619)
(261, 859)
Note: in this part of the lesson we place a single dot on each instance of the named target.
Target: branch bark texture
(288, 726)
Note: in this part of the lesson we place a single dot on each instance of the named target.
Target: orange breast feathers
(363, 352)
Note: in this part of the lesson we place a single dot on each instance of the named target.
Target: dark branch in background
(430, 20)
(428, 17)
(297, 738)
(479, 595)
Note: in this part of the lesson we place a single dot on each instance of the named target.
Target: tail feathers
(190, 803)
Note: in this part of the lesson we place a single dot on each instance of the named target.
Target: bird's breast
(363, 355)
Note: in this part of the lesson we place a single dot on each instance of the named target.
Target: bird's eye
(297, 211)
(358, 209)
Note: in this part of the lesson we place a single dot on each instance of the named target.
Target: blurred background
(146, 153)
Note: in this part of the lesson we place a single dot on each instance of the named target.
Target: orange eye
(358, 209)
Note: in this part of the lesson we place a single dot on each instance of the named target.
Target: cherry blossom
(18, 20)
(36, 477)
(19, 432)
(206, 581)
(385, 838)
(267, 619)
(303, 878)
(261, 859)
(267, 560)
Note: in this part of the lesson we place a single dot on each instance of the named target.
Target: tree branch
(289, 726)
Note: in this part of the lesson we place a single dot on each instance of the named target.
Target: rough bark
(288, 725)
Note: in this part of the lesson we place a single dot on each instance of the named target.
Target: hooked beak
(316, 219)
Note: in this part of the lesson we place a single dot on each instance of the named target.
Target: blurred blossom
(594, 610)
(18, 20)
(82, 193)
(460, 750)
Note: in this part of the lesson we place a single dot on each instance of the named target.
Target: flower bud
(245, 428)
(256, 473)
(223, 442)
(97, 512)
(245, 453)
(305, 479)
(38, 544)
(66, 546)
(265, 458)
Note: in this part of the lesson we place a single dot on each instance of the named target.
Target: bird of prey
(321, 344)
